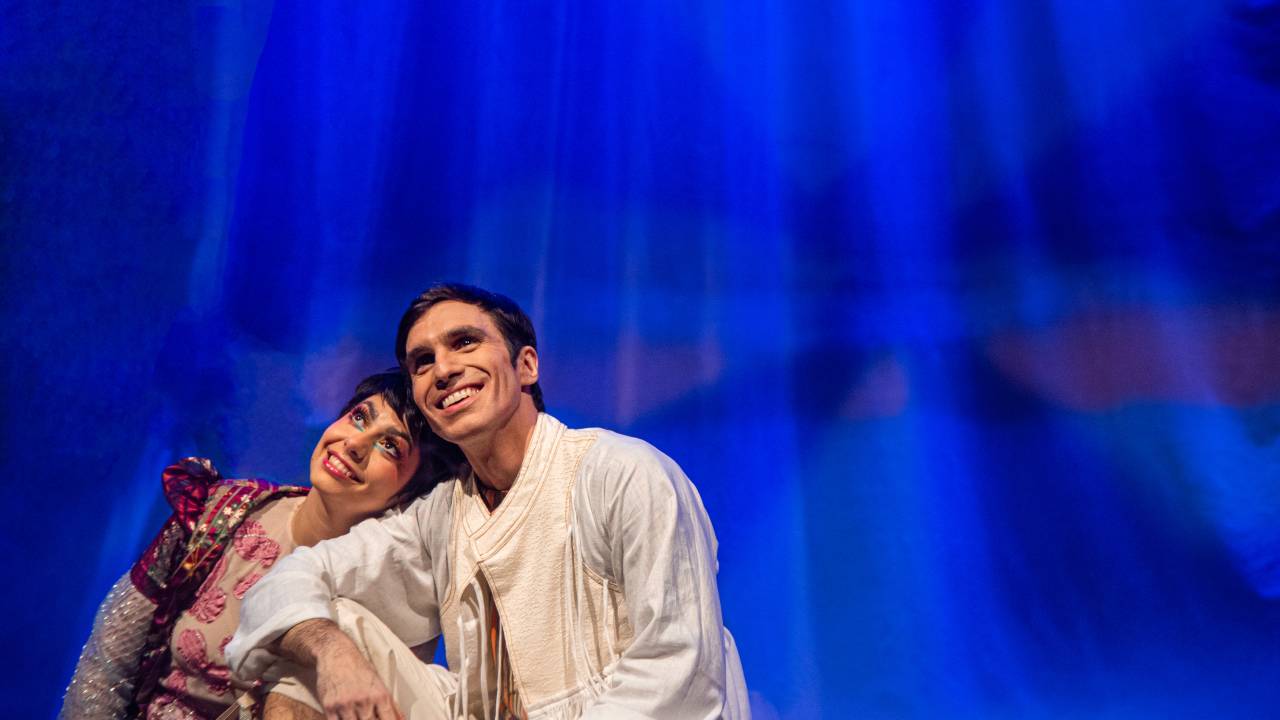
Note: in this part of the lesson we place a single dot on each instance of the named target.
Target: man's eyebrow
(464, 331)
(415, 352)
(451, 336)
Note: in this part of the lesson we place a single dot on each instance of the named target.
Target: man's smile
(458, 399)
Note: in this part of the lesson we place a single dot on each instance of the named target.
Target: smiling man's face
(463, 376)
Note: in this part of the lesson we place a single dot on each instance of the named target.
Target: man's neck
(497, 458)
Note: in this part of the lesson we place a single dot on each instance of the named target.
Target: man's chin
(454, 429)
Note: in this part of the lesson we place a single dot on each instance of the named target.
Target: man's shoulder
(617, 445)
(617, 452)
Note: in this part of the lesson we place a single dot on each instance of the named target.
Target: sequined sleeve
(102, 686)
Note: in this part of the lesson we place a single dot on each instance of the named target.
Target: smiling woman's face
(364, 458)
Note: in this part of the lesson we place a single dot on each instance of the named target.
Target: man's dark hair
(437, 459)
(515, 326)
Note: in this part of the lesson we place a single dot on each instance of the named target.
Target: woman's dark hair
(437, 460)
(515, 326)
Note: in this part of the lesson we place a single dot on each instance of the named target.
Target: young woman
(157, 645)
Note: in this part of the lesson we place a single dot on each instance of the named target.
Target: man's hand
(349, 689)
(346, 684)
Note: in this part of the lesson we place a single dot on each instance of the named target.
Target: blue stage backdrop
(964, 317)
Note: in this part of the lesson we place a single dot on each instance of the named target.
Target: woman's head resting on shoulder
(378, 452)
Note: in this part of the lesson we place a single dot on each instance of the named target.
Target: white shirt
(640, 523)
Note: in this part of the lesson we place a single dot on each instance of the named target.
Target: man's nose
(445, 369)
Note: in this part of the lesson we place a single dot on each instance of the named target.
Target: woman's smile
(338, 468)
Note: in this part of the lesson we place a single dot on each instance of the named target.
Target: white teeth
(338, 464)
(457, 396)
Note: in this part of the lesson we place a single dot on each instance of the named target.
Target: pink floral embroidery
(253, 544)
(222, 646)
(218, 678)
(192, 648)
(219, 569)
(209, 604)
(245, 583)
(168, 707)
(175, 681)
(157, 704)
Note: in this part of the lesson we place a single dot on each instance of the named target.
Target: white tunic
(636, 522)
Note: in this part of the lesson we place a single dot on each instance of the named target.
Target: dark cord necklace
(491, 497)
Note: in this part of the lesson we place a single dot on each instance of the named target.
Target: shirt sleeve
(385, 564)
(103, 684)
(641, 524)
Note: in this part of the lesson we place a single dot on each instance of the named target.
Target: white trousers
(424, 691)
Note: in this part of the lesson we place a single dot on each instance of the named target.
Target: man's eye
(466, 340)
(422, 363)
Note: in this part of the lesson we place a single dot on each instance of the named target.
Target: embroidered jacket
(128, 652)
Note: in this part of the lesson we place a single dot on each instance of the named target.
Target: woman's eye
(358, 417)
(391, 447)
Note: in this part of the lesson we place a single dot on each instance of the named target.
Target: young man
(571, 572)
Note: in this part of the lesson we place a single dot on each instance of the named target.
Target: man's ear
(527, 365)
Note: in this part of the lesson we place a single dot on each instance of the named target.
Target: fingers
(348, 711)
(349, 688)
(378, 707)
(387, 710)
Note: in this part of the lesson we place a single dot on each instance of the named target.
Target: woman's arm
(102, 686)
(106, 676)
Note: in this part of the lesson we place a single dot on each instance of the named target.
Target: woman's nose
(356, 447)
